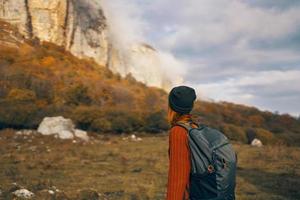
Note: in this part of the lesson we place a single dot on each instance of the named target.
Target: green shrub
(18, 114)
(124, 121)
(235, 133)
(106, 120)
(265, 136)
(121, 125)
(101, 125)
(43, 89)
(156, 122)
(78, 95)
(84, 116)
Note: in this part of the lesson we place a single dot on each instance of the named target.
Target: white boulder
(256, 143)
(55, 125)
(66, 134)
(61, 127)
(23, 193)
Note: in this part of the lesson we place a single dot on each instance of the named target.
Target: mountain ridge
(80, 26)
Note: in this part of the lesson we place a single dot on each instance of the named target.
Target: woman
(181, 101)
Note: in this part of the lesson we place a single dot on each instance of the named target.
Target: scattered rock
(256, 143)
(23, 193)
(132, 138)
(51, 192)
(137, 170)
(55, 189)
(81, 134)
(25, 132)
(33, 148)
(62, 128)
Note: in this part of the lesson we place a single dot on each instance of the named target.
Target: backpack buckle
(210, 169)
(224, 163)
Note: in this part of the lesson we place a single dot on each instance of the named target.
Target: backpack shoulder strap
(186, 126)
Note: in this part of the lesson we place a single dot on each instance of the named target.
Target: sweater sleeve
(179, 164)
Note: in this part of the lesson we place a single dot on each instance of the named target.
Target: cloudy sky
(243, 51)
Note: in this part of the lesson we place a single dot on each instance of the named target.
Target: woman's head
(181, 101)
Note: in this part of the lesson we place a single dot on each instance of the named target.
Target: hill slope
(42, 79)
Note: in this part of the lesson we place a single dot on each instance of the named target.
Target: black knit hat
(181, 99)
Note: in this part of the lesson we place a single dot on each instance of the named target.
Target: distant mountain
(80, 26)
(39, 79)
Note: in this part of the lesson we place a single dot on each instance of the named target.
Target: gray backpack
(213, 164)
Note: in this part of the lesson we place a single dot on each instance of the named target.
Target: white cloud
(215, 22)
(124, 21)
(235, 50)
(262, 88)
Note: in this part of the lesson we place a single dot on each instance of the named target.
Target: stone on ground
(23, 193)
(61, 127)
(256, 143)
(81, 134)
(55, 125)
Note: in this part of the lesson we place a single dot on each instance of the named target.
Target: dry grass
(124, 169)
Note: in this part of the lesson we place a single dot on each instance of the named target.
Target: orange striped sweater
(179, 162)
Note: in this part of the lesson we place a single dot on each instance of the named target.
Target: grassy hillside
(238, 120)
(118, 168)
(41, 79)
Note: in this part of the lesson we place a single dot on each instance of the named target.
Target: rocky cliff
(81, 27)
(78, 25)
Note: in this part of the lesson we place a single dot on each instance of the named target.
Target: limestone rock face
(14, 12)
(87, 32)
(80, 26)
(48, 19)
